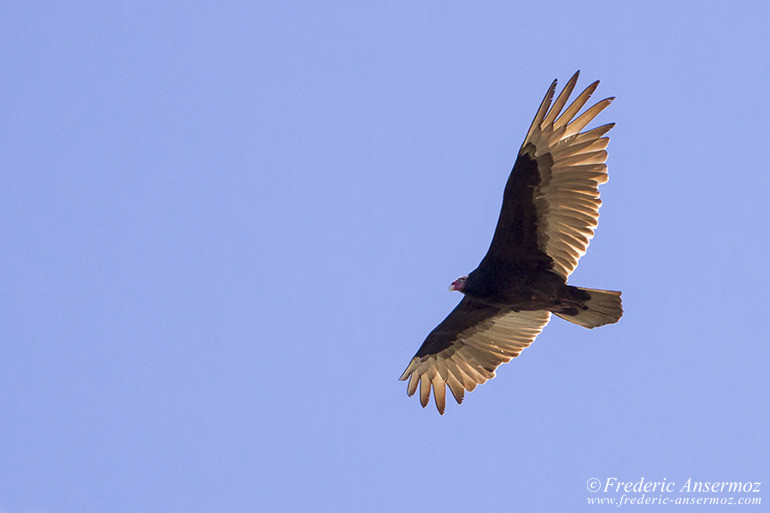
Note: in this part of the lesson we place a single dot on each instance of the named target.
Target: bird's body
(550, 208)
(520, 288)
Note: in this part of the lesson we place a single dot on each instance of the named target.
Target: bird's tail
(600, 307)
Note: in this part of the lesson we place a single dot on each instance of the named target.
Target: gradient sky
(226, 227)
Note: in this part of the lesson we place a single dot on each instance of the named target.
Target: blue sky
(226, 228)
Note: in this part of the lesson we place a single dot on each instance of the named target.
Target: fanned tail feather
(602, 307)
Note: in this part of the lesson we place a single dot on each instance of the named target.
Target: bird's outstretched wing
(551, 200)
(466, 348)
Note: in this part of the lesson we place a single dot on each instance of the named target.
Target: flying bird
(549, 213)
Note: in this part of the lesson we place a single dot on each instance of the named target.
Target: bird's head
(459, 284)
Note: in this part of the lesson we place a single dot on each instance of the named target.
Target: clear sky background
(225, 228)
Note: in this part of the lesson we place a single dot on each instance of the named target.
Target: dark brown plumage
(550, 209)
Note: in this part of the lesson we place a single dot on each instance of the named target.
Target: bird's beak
(452, 288)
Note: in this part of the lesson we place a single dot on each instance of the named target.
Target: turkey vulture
(550, 209)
